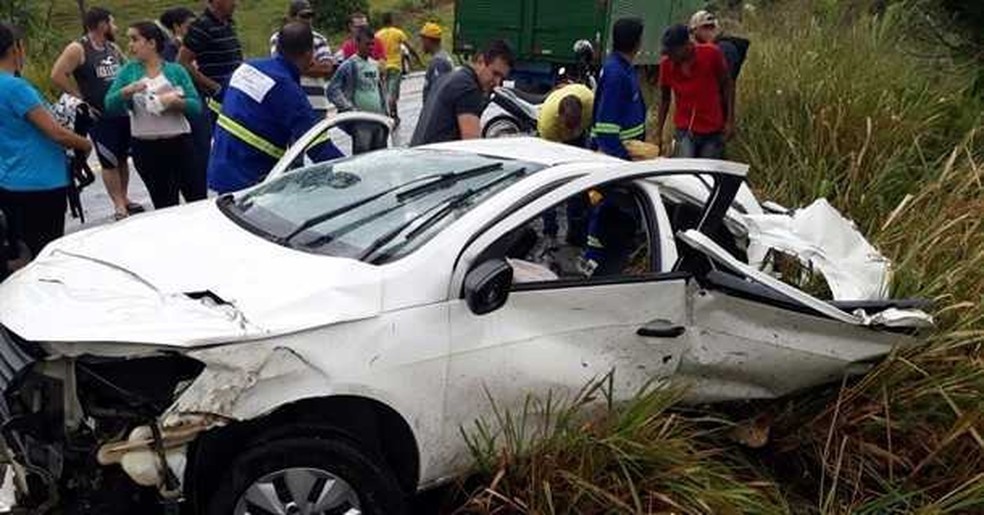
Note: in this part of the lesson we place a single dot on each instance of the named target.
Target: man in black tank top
(86, 69)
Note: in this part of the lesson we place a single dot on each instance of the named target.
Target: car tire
(284, 467)
(502, 126)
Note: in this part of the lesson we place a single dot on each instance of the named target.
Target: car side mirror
(487, 286)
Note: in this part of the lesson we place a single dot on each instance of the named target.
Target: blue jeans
(708, 146)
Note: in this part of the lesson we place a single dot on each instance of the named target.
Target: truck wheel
(501, 126)
(307, 476)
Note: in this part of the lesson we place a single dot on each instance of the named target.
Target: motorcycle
(513, 112)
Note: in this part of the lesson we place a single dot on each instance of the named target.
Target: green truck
(543, 32)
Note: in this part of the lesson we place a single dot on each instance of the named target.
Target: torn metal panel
(232, 375)
(747, 349)
(821, 237)
(704, 244)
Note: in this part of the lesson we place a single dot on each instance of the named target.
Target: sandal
(120, 216)
(133, 208)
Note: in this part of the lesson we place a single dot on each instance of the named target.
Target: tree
(333, 15)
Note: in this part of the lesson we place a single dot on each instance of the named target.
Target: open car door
(757, 337)
(322, 132)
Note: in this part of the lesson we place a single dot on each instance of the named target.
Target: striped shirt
(215, 45)
(314, 87)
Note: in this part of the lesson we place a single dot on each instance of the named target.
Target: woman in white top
(158, 95)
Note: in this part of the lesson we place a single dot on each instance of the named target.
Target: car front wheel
(307, 476)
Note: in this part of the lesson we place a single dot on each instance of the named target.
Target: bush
(333, 15)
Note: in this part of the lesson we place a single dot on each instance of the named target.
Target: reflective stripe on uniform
(633, 132)
(595, 243)
(249, 137)
(605, 128)
(213, 105)
(324, 138)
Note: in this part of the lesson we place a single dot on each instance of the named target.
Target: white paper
(251, 81)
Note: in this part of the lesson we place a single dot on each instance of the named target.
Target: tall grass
(589, 455)
(846, 110)
(840, 105)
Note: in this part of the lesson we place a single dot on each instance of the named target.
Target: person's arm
(609, 115)
(27, 103)
(187, 100)
(61, 73)
(728, 105)
(726, 85)
(411, 49)
(121, 91)
(339, 85)
(470, 126)
(42, 119)
(186, 58)
(665, 97)
(468, 107)
(194, 43)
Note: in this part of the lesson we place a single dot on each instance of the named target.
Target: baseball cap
(675, 36)
(298, 7)
(431, 30)
(703, 19)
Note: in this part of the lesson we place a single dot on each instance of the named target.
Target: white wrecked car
(314, 344)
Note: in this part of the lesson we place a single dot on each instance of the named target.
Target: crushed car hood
(184, 277)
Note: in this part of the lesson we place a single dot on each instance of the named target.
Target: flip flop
(133, 208)
(120, 216)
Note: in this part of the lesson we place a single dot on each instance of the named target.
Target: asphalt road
(99, 209)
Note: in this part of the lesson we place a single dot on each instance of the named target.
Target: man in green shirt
(357, 86)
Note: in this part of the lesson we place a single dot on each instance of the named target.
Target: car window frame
(458, 274)
(650, 225)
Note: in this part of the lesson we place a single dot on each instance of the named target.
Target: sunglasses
(307, 15)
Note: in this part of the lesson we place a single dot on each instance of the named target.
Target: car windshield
(375, 207)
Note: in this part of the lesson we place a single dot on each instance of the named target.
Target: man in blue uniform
(619, 109)
(264, 110)
(619, 116)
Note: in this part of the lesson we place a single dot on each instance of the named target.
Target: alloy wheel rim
(299, 491)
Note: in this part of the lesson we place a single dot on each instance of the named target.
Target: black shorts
(111, 139)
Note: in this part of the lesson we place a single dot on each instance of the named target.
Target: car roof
(533, 150)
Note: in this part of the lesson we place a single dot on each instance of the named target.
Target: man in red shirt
(697, 76)
(350, 48)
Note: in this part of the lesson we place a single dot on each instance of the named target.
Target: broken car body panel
(269, 325)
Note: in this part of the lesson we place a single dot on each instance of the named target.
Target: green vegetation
(835, 103)
(634, 458)
(53, 23)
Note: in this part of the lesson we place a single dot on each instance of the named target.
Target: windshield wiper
(448, 179)
(436, 180)
(439, 211)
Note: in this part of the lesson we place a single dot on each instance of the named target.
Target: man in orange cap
(440, 62)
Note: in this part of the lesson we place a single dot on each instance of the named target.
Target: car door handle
(661, 329)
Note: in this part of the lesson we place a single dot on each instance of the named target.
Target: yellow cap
(431, 30)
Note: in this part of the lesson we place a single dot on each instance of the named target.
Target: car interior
(555, 244)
